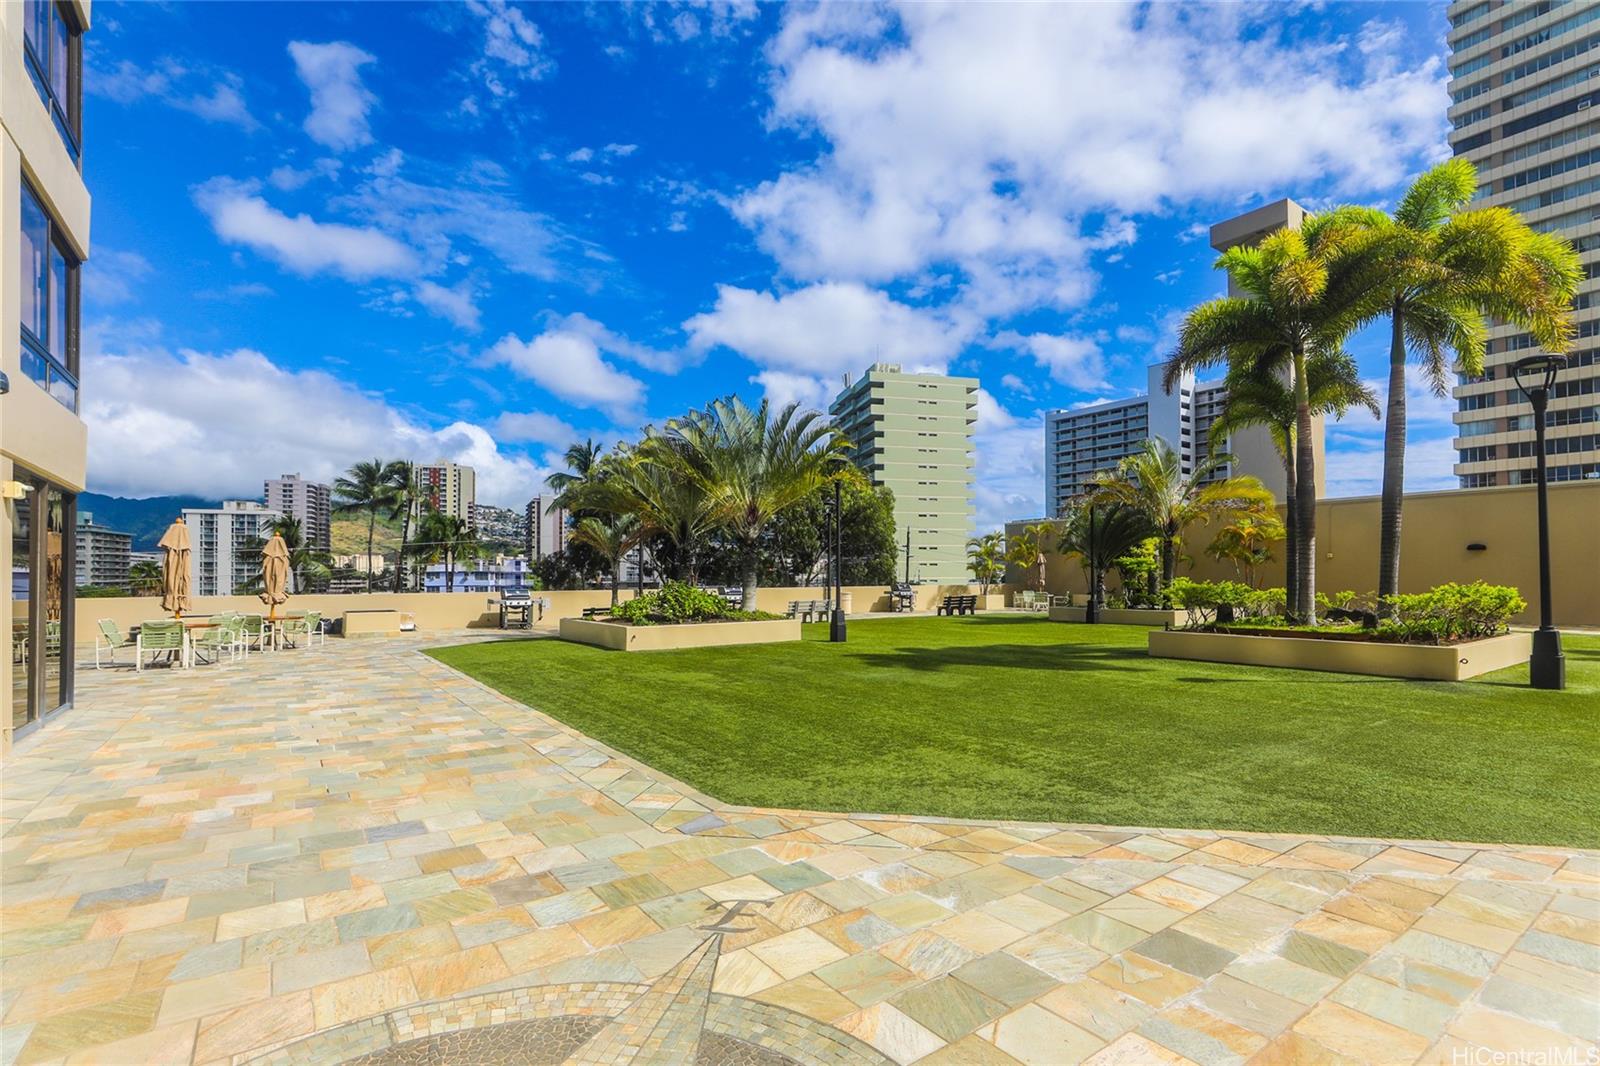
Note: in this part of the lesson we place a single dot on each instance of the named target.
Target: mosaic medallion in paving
(353, 853)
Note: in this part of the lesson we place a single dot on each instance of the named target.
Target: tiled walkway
(208, 866)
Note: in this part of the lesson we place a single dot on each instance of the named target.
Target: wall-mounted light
(1477, 547)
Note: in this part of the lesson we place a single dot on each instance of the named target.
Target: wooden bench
(810, 610)
(596, 612)
(954, 605)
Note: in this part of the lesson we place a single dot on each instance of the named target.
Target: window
(54, 57)
(49, 305)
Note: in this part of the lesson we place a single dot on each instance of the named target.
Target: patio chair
(308, 625)
(160, 636)
(226, 636)
(255, 632)
(111, 638)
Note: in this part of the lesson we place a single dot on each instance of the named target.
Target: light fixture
(1535, 376)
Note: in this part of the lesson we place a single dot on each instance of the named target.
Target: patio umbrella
(274, 574)
(175, 569)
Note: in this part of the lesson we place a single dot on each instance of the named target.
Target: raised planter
(994, 601)
(1426, 662)
(619, 637)
(1125, 616)
(371, 623)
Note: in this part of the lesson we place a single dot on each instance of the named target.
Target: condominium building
(544, 527)
(308, 502)
(225, 545)
(480, 575)
(104, 555)
(499, 525)
(44, 239)
(447, 487)
(1083, 441)
(913, 434)
(1525, 92)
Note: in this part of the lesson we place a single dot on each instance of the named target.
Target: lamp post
(1535, 375)
(836, 632)
(1091, 613)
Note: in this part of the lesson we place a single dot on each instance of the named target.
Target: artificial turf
(1017, 717)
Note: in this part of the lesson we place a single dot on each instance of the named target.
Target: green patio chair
(307, 627)
(255, 632)
(111, 638)
(161, 637)
(226, 636)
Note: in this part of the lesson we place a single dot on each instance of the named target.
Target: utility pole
(908, 555)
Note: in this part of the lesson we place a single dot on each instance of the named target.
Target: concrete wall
(1437, 528)
(460, 610)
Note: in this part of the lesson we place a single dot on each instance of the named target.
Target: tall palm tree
(1302, 292)
(612, 537)
(582, 459)
(401, 477)
(1100, 535)
(755, 464)
(1442, 269)
(648, 483)
(306, 564)
(363, 488)
(144, 578)
(986, 558)
(448, 539)
(1152, 482)
(1333, 387)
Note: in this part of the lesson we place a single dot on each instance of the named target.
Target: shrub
(1453, 612)
(1210, 603)
(676, 603)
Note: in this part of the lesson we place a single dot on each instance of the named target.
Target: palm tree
(582, 460)
(1302, 293)
(754, 465)
(648, 483)
(306, 564)
(1442, 269)
(401, 477)
(144, 578)
(1025, 551)
(1333, 386)
(985, 558)
(1246, 541)
(612, 537)
(448, 539)
(364, 487)
(1100, 535)
(1152, 482)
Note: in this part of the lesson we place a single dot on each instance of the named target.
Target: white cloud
(580, 155)
(612, 343)
(193, 422)
(1075, 361)
(782, 388)
(568, 364)
(110, 275)
(620, 149)
(339, 101)
(1355, 442)
(289, 178)
(178, 87)
(828, 329)
(512, 47)
(534, 427)
(239, 215)
(1010, 471)
(455, 303)
(991, 415)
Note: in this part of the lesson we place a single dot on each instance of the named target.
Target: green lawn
(1013, 717)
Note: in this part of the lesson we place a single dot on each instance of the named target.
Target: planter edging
(1424, 662)
(615, 636)
(1127, 616)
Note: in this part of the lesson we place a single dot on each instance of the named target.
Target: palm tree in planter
(364, 487)
(1152, 482)
(612, 537)
(1246, 541)
(986, 559)
(1099, 536)
(1442, 268)
(583, 461)
(1302, 292)
(755, 464)
(648, 483)
(1334, 387)
(1025, 551)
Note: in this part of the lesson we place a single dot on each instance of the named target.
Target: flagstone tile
(891, 1032)
(1005, 978)
(809, 995)
(169, 1045)
(1033, 1035)
(1095, 1007)
(797, 952)
(362, 996)
(1359, 1036)
(1184, 952)
(1202, 1036)
(1573, 1015)
(1135, 1050)
(406, 945)
(209, 995)
(742, 974)
(926, 954)
(1335, 960)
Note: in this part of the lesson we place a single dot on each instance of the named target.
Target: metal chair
(111, 638)
(161, 636)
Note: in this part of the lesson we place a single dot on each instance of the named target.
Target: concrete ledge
(1425, 662)
(618, 637)
(1124, 616)
(375, 623)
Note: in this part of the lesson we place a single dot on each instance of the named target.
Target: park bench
(596, 612)
(954, 605)
(809, 610)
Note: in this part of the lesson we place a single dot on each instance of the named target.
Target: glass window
(23, 710)
(36, 27)
(58, 305)
(57, 600)
(54, 57)
(49, 305)
(60, 61)
(35, 282)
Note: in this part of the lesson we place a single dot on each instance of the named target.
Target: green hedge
(1443, 615)
(676, 603)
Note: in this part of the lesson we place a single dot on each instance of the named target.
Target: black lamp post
(1091, 613)
(836, 632)
(1535, 375)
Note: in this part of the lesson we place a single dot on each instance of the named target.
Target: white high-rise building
(223, 545)
(449, 488)
(546, 527)
(306, 501)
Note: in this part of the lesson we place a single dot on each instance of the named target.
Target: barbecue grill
(516, 609)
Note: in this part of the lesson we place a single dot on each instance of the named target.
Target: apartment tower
(1525, 107)
(545, 527)
(913, 434)
(308, 502)
(44, 239)
(449, 488)
(224, 545)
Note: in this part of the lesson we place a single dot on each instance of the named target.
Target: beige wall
(1437, 528)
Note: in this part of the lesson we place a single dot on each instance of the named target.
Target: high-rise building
(1525, 92)
(224, 552)
(1082, 441)
(310, 503)
(449, 488)
(479, 575)
(545, 527)
(103, 554)
(912, 433)
(44, 239)
(500, 525)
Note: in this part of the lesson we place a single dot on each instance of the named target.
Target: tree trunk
(752, 563)
(616, 577)
(1169, 559)
(1305, 491)
(1291, 584)
(1394, 466)
(372, 519)
(400, 560)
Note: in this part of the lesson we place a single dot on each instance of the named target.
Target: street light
(836, 632)
(1535, 375)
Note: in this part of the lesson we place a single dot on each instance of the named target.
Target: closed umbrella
(274, 573)
(175, 569)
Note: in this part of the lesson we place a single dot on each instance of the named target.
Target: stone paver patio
(352, 852)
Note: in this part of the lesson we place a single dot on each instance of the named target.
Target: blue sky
(324, 232)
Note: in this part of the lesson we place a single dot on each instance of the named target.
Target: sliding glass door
(42, 596)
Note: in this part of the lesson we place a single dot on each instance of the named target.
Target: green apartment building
(912, 433)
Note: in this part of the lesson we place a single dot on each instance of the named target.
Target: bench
(810, 610)
(954, 605)
(596, 612)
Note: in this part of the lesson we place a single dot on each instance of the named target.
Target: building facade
(913, 434)
(544, 527)
(500, 525)
(308, 502)
(1083, 441)
(480, 575)
(44, 220)
(1525, 108)
(104, 555)
(224, 545)
(449, 488)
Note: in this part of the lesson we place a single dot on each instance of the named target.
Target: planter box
(1125, 616)
(618, 637)
(1425, 662)
(994, 601)
(375, 623)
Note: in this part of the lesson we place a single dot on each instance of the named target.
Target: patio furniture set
(191, 641)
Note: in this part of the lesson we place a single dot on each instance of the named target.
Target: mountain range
(145, 519)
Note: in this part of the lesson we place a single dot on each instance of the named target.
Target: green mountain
(145, 519)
